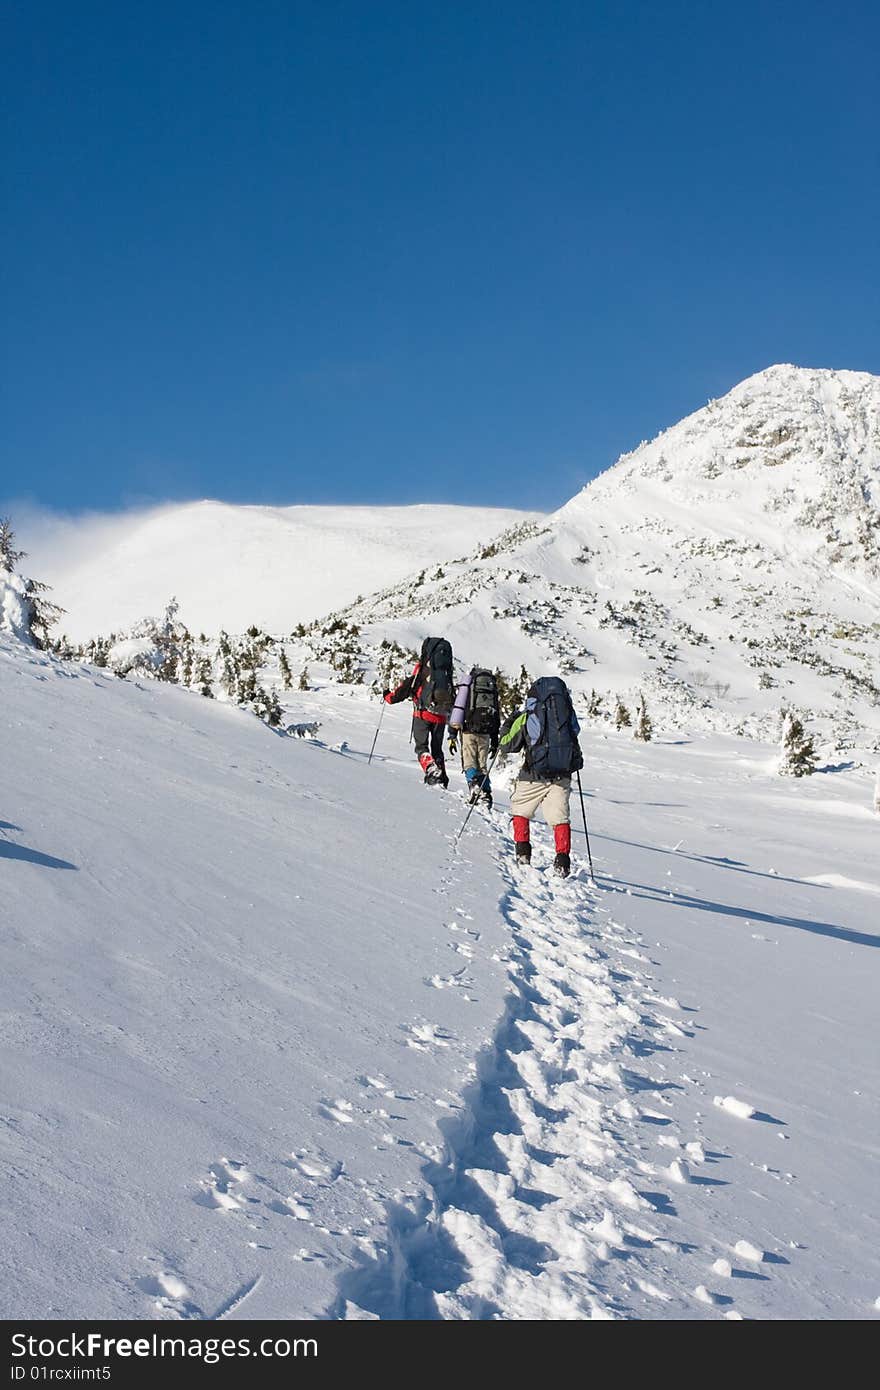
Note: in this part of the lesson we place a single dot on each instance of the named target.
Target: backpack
(482, 716)
(436, 689)
(552, 749)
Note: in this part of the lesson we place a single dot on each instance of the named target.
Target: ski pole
(586, 831)
(376, 734)
(476, 799)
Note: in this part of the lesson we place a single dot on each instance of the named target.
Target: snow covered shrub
(644, 729)
(798, 753)
(622, 717)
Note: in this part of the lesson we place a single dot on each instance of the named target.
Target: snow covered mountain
(727, 568)
(231, 566)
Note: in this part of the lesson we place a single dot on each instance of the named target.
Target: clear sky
(334, 251)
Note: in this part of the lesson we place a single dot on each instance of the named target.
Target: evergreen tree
(594, 705)
(40, 614)
(274, 712)
(247, 685)
(644, 729)
(304, 679)
(798, 752)
(187, 662)
(228, 664)
(9, 555)
(524, 683)
(205, 678)
(622, 718)
(284, 668)
(170, 637)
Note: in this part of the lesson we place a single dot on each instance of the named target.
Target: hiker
(545, 732)
(474, 723)
(431, 689)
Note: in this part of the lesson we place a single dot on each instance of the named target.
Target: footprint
(170, 1295)
(457, 980)
(318, 1169)
(338, 1110)
(290, 1206)
(217, 1186)
(424, 1036)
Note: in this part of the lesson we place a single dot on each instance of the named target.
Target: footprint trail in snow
(542, 1207)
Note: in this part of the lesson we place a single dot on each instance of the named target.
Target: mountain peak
(786, 438)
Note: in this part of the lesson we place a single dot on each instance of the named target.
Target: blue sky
(317, 252)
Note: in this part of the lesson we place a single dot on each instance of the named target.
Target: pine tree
(40, 613)
(9, 555)
(284, 668)
(205, 678)
(644, 729)
(798, 752)
(274, 712)
(246, 685)
(622, 718)
(170, 637)
(228, 665)
(43, 614)
(187, 663)
(594, 705)
(304, 679)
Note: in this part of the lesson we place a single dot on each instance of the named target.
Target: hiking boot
(487, 800)
(434, 774)
(562, 865)
(474, 794)
(524, 852)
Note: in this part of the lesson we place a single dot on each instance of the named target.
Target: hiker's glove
(493, 748)
(453, 745)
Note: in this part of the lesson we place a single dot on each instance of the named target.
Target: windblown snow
(270, 1048)
(231, 566)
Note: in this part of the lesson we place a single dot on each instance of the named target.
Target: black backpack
(552, 748)
(435, 691)
(482, 715)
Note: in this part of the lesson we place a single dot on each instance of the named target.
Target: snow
(233, 566)
(13, 605)
(270, 1048)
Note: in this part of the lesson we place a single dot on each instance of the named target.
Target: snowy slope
(728, 568)
(231, 566)
(270, 1049)
(212, 966)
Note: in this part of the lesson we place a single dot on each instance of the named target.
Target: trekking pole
(376, 734)
(476, 799)
(586, 831)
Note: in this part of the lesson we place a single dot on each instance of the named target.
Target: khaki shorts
(553, 798)
(475, 751)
